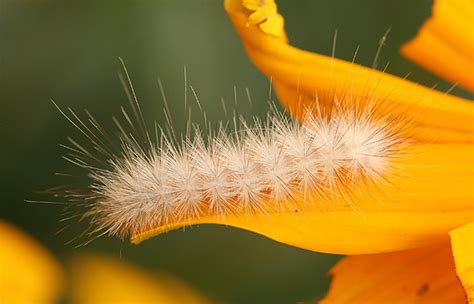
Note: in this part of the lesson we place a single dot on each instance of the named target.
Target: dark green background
(68, 50)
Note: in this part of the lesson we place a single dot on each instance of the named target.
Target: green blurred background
(68, 50)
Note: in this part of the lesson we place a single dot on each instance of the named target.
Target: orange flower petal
(299, 75)
(423, 207)
(462, 242)
(424, 275)
(444, 44)
(103, 279)
(28, 272)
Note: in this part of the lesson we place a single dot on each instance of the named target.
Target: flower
(446, 35)
(425, 215)
(433, 196)
(30, 274)
(429, 273)
(97, 278)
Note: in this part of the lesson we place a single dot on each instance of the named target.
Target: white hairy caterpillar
(254, 170)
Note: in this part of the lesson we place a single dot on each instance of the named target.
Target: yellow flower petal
(103, 279)
(299, 75)
(28, 273)
(261, 14)
(424, 275)
(264, 14)
(254, 5)
(273, 25)
(423, 207)
(444, 44)
(462, 243)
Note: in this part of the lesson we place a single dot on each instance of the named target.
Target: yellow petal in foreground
(424, 275)
(444, 44)
(462, 242)
(420, 209)
(299, 75)
(104, 279)
(28, 273)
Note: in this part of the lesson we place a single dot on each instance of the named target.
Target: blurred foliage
(68, 50)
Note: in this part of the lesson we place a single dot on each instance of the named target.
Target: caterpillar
(262, 167)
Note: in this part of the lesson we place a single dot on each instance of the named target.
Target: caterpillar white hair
(267, 166)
